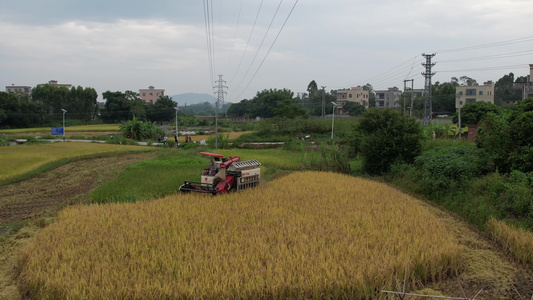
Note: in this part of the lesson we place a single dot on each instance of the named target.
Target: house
(151, 94)
(54, 83)
(388, 98)
(468, 94)
(355, 94)
(19, 89)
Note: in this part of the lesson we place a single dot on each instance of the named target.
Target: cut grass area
(341, 237)
(19, 161)
(164, 174)
(153, 178)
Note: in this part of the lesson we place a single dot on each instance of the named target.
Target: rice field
(306, 235)
(516, 241)
(80, 128)
(18, 160)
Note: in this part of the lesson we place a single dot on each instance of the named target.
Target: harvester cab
(224, 175)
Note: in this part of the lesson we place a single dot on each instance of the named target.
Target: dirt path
(486, 267)
(27, 206)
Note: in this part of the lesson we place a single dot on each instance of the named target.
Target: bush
(387, 138)
(140, 130)
(507, 138)
(4, 141)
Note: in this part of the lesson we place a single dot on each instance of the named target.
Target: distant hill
(192, 98)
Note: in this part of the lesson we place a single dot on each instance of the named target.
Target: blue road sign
(57, 130)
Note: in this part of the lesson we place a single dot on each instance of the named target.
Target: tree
(507, 138)
(122, 106)
(371, 95)
(443, 97)
(465, 80)
(289, 109)
(475, 112)
(162, 110)
(388, 137)
(266, 102)
(504, 89)
(312, 88)
(354, 109)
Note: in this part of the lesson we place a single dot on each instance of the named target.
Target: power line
(208, 16)
(495, 56)
(496, 44)
(271, 46)
(235, 35)
(248, 42)
(485, 69)
(261, 45)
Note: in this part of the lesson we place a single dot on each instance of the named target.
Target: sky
(183, 46)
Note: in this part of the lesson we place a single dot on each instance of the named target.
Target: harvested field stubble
(306, 235)
(17, 160)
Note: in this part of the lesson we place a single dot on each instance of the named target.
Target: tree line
(274, 102)
(44, 106)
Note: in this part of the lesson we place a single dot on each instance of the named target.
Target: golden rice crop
(229, 135)
(80, 128)
(18, 160)
(517, 241)
(306, 235)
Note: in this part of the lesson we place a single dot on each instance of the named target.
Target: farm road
(45, 194)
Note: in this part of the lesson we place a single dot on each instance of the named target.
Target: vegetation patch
(339, 237)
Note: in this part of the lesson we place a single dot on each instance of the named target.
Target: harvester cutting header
(225, 175)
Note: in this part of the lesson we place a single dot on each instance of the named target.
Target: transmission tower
(323, 101)
(220, 98)
(410, 98)
(427, 89)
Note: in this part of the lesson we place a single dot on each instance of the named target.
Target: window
(151, 94)
(470, 100)
(481, 93)
(470, 92)
(351, 95)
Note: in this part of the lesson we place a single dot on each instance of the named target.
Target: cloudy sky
(124, 45)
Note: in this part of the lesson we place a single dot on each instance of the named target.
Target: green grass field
(164, 174)
(19, 160)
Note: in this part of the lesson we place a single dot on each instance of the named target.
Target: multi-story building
(151, 94)
(19, 89)
(388, 98)
(54, 83)
(354, 94)
(468, 94)
(526, 87)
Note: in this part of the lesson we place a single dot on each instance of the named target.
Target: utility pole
(323, 101)
(411, 93)
(220, 97)
(427, 89)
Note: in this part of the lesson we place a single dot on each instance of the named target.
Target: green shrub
(388, 137)
(140, 130)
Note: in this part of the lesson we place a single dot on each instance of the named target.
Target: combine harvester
(225, 175)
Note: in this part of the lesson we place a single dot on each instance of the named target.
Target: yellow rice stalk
(306, 235)
(516, 241)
